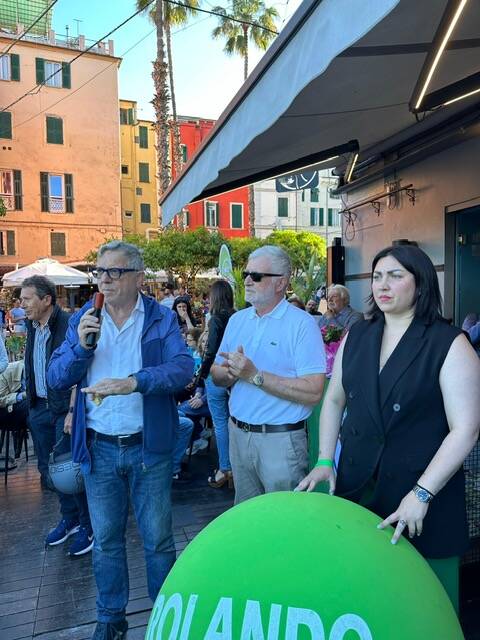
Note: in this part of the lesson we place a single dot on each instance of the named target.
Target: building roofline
(37, 44)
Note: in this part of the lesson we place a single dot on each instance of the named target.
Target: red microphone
(92, 337)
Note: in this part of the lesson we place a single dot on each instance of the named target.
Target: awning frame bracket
(375, 201)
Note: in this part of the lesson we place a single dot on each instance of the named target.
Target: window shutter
(312, 216)
(217, 215)
(68, 193)
(130, 116)
(282, 204)
(145, 215)
(330, 217)
(10, 243)
(187, 217)
(54, 130)
(40, 70)
(44, 190)
(237, 217)
(66, 76)
(57, 243)
(14, 67)
(17, 189)
(314, 195)
(6, 124)
(321, 217)
(143, 172)
(143, 137)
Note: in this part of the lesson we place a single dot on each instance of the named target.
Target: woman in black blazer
(409, 382)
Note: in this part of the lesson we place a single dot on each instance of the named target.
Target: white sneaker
(197, 446)
(206, 433)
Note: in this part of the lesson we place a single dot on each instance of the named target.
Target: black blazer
(394, 425)
(58, 401)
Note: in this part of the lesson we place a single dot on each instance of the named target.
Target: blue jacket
(167, 368)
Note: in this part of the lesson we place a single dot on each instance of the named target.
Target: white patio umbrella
(60, 274)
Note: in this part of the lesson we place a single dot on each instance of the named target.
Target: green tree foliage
(3, 208)
(306, 283)
(241, 248)
(300, 246)
(184, 253)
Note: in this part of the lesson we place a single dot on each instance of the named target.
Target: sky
(206, 79)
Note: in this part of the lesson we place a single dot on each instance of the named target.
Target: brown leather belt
(120, 441)
(267, 428)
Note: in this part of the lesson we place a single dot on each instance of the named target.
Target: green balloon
(301, 566)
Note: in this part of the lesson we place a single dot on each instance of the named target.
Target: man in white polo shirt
(272, 355)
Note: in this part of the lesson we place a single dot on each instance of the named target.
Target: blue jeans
(47, 431)
(117, 473)
(182, 437)
(218, 404)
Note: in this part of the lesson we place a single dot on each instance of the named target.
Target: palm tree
(172, 15)
(161, 96)
(238, 33)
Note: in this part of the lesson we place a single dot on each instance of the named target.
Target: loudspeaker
(336, 263)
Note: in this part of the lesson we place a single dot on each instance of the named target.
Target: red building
(227, 213)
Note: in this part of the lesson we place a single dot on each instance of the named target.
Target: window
(10, 243)
(316, 216)
(128, 214)
(126, 116)
(138, 191)
(6, 125)
(10, 67)
(53, 74)
(56, 192)
(314, 195)
(334, 218)
(143, 172)
(186, 217)
(145, 213)
(282, 204)
(57, 243)
(6, 188)
(7, 241)
(183, 153)
(236, 211)
(143, 138)
(54, 130)
(124, 169)
(211, 214)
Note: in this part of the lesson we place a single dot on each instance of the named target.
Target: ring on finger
(402, 523)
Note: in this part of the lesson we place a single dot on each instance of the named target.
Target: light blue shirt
(286, 342)
(3, 356)
(118, 354)
(42, 334)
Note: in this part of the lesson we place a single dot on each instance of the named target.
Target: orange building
(228, 212)
(59, 149)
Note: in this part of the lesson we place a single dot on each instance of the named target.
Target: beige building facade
(139, 190)
(59, 149)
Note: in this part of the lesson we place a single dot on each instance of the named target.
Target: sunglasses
(115, 273)
(257, 276)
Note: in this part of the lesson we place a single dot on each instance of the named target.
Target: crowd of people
(399, 405)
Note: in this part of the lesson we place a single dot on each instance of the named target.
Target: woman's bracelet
(324, 462)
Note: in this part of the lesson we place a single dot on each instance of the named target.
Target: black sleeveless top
(394, 425)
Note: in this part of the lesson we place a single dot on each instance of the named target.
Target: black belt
(120, 441)
(268, 428)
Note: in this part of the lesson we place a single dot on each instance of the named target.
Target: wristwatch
(257, 379)
(422, 494)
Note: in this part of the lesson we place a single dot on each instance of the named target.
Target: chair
(19, 441)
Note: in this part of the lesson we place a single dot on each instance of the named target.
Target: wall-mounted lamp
(454, 92)
(445, 29)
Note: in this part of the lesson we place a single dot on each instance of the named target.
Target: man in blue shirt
(124, 424)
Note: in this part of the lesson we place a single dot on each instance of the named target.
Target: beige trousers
(266, 462)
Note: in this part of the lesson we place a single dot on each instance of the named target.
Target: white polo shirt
(286, 342)
(118, 354)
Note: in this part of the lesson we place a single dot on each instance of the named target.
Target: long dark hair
(428, 299)
(221, 297)
(185, 300)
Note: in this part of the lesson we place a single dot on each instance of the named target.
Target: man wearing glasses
(272, 356)
(124, 424)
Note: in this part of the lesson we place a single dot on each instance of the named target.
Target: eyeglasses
(256, 276)
(115, 273)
